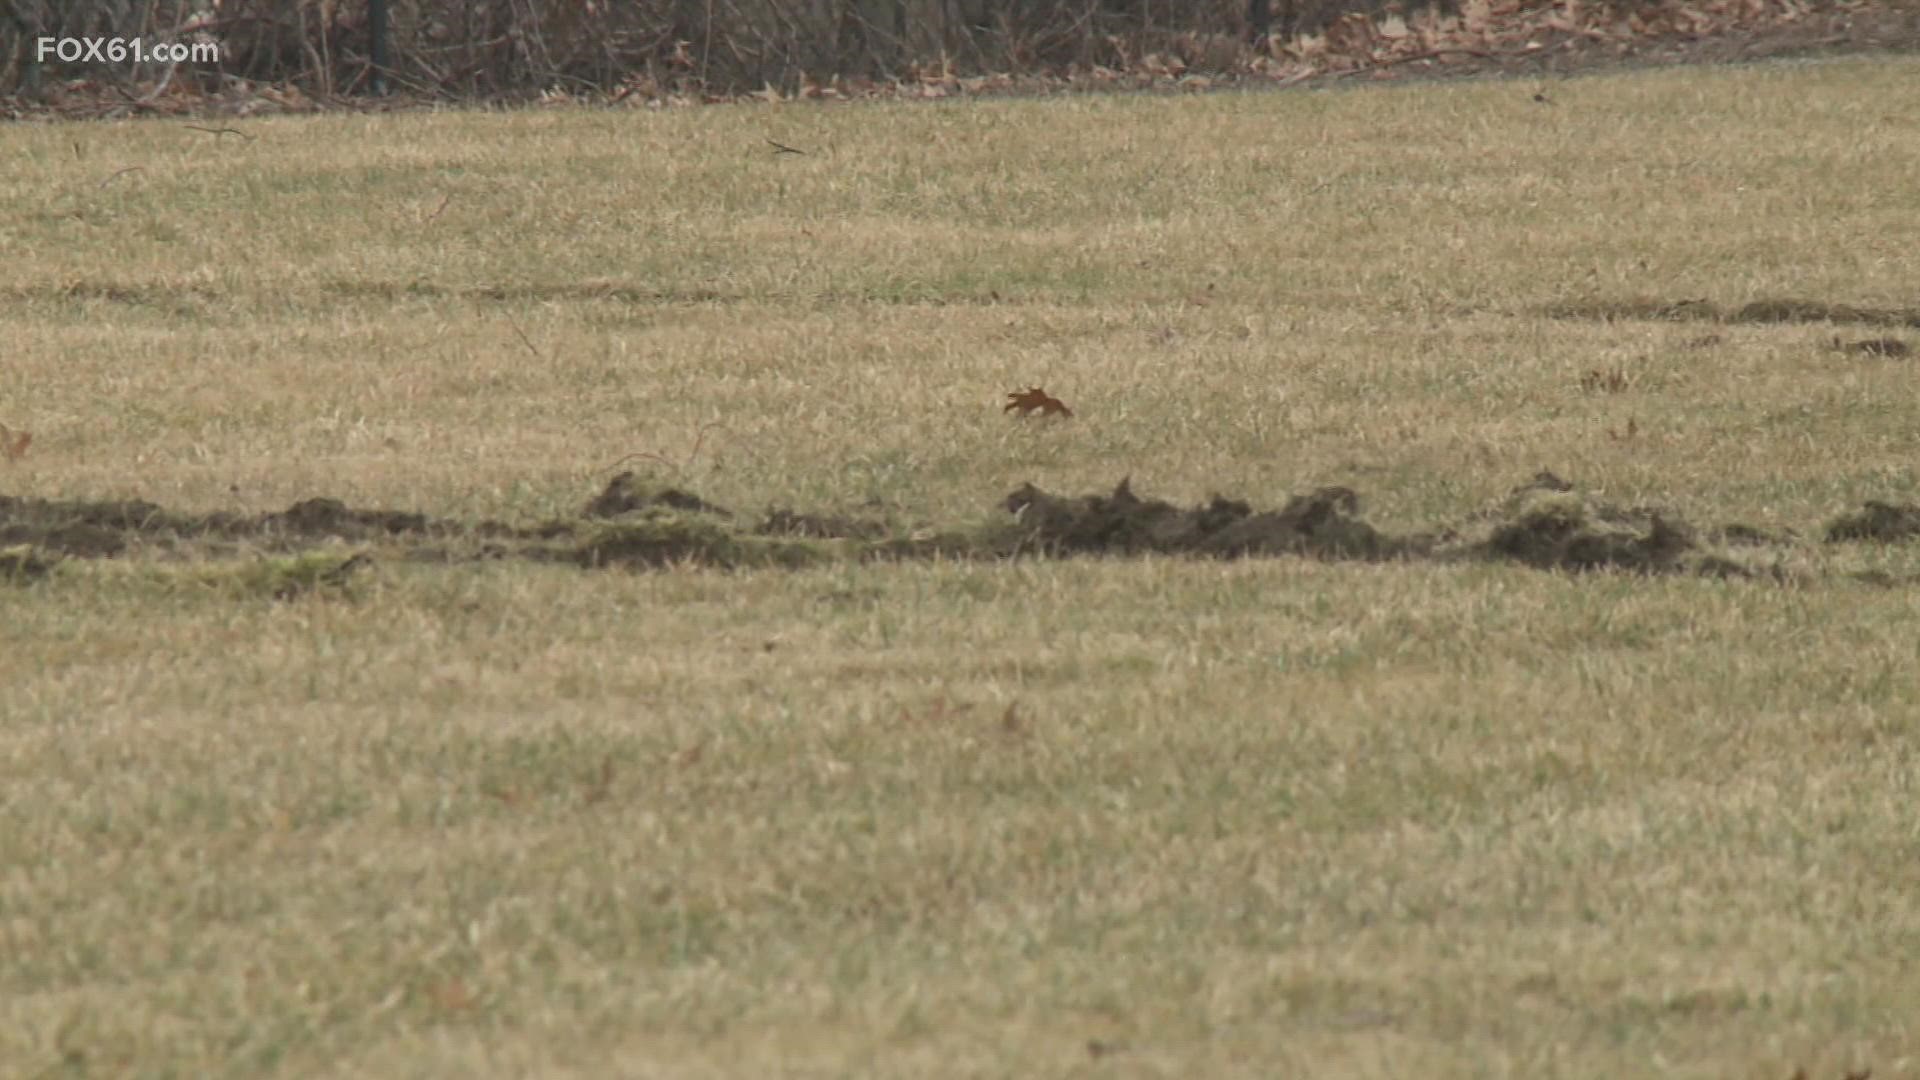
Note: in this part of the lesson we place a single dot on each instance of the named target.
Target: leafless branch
(699, 440)
(525, 340)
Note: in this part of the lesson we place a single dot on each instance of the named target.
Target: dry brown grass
(1149, 817)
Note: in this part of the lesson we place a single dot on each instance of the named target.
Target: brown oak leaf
(1034, 399)
(13, 443)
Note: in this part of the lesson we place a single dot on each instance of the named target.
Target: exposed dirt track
(1545, 523)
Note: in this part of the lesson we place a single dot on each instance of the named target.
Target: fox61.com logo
(77, 50)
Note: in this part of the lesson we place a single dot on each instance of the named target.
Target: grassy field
(1157, 816)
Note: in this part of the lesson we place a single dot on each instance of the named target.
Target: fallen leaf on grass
(14, 443)
(453, 995)
(507, 796)
(1033, 399)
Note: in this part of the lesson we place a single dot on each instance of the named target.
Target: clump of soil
(1563, 530)
(1809, 311)
(106, 529)
(84, 529)
(1886, 522)
(1546, 523)
(333, 518)
(1325, 524)
(624, 495)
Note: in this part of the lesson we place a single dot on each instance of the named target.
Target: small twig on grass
(782, 148)
(217, 132)
(699, 440)
(121, 173)
(527, 341)
(444, 200)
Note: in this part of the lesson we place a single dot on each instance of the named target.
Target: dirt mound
(1773, 311)
(624, 494)
(331, 517)
(1886, 522)
(77, 538)
(1323, 524)
(84, 529)
(108, 528)
(1809, 311)
(1562, 530)
(1549, 524)
(1546, 523)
